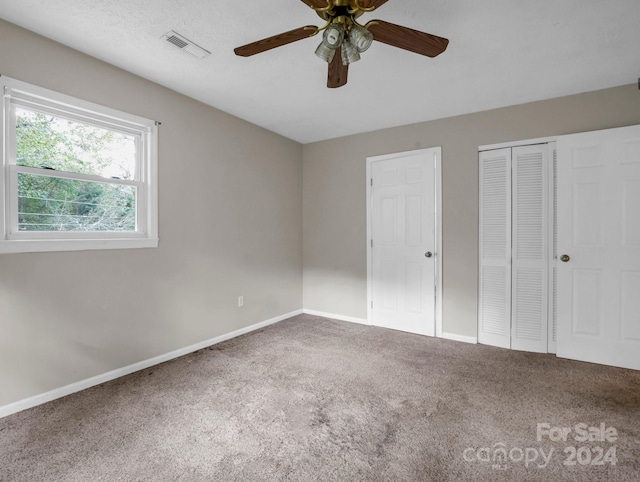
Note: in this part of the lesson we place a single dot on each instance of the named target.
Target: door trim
(437, 152)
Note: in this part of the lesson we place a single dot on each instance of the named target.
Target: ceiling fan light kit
(344, 39)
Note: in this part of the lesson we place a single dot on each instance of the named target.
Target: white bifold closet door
(515, 247)
(530, 244)
(494, 307)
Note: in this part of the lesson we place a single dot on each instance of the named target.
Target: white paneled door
(403, 251)
(599, 247)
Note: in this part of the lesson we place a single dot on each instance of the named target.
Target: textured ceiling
(502, 52)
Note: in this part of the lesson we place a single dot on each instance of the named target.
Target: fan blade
(366, 4)
(407, 38)
(276, 41)
(338, 72)
(317, 3)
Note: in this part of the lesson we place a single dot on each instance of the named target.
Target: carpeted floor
(315, 399)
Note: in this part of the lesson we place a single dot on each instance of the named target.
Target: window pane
(47, 141)
(54, 204)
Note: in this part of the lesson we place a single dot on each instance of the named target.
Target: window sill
(48, 245)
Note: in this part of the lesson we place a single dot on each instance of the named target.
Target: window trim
(17, 93)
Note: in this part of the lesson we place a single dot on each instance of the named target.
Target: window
(75, 175)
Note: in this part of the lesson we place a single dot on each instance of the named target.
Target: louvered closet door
(494, 300)
(530, 240)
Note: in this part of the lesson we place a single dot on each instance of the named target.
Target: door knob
(428, 254)
(565, 258)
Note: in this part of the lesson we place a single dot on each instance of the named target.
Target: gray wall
(334, 209)
(230, 225)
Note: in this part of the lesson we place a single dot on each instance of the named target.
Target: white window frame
(18, 93)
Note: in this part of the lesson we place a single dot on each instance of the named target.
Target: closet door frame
(552, 325)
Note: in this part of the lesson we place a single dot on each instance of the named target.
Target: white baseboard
(120, 372)
(462, 338)
(350, 319)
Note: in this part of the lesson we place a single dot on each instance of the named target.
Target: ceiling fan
(344, 39)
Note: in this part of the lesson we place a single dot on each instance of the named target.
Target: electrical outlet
(240, 301)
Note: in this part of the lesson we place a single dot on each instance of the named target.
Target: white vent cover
(185, 44)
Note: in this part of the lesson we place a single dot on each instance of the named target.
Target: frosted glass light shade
(325, 53)
(349, 53)
(333, 35)
(360, 38)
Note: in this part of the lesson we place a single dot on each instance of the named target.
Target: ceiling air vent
(185, 44)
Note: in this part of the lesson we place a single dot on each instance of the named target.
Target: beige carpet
(316, 399)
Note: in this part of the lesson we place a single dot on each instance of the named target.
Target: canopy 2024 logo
(580, 449)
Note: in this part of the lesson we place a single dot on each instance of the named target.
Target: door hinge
(371, 181)
(372, 243)
(371, 304)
